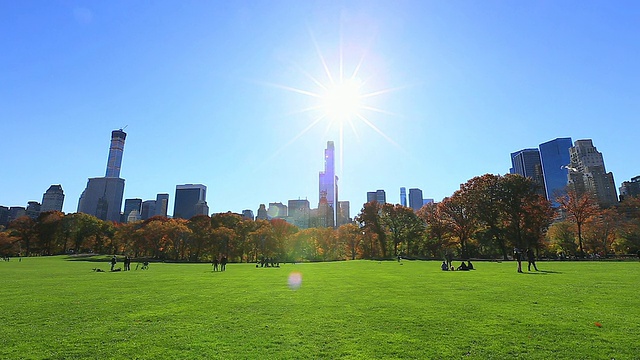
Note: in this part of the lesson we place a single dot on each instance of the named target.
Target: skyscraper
(102, 197)
(190, 200)
(33, 209)
(262, 213)
(554, 156)
(129, 206)
(299, 213)
(380, 196)
(343, 213)
(630, 188)
(162, 204)
(53, 199)
(415, 199)
(148, 209)
(277, 210)
(329, 181)
(587, 173)
(527, 163)
(403, 196)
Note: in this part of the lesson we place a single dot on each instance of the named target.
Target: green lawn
(58, 308)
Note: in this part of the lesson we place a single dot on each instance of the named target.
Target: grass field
(58, 308)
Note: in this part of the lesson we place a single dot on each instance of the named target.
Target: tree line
(486, 218)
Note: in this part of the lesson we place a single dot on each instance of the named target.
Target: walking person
(517, 255)
(531, 258)
(223, 263)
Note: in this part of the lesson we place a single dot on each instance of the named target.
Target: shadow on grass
(541, 272)
(88, 257)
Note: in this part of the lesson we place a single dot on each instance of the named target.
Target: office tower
(371, 196)
(343, 213)
(115, 153)
(277, 210)
(247, 214)
(102, 197)
(134, 216)
(148, 209)
(4, 216)
(202, 208)
(16, 212)
(53, 199)
(329, 181)
(379, 196)
(299, 212)
(33, 209)
(587, 173)
(427, 201)
(403, 196)
(415, 199)
(262, 213)
(527, 163)
(162, 204)
(129, 206)
(323, 216)
(554, 156)
(187, 201)
(630, 188)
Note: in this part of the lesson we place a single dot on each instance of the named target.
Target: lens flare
(295, 280)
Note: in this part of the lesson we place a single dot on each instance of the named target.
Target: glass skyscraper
(189, 201)
(329, 181)
(526, 162)
(555, 158)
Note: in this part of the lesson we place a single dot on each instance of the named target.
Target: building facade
(630, 188)
(148, 209)
(415, 199)
(554, 157)
(328, 181)
(527, 163)
(587, 173)
(403, 196)
(189, 201)
(162, 205)
(277, 210)
(52, 199)
(129, 206)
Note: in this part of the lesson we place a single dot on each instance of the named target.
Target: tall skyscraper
(527, 163)
(33, 209)
(554, 156)
(299, 213)
(329, 181)
(415, 199)
(344, 216)
(379, 196)
(53, 199)
(403, 196)
(587, 173)
(630, 188)
(102, 197)
(129, 206)
(4, 215)
(162, 204)
(148, 209)
(190, 200)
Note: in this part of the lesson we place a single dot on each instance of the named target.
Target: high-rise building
(16, 212)
(129, 206)
(415, 199)
(403, 196)
(299, 212)
(148, 209)
(379, 196)
(323, 215)
(587, 173)
(102, 197)
(329, 181)
(277, 210)
(247, 214)
(52, 199)
(190, 200)
(262, 213)
(630, 188)
(33, 209)
(527, 163)
(162, 204)
(4, 216)
(343, 213)
(554, 157)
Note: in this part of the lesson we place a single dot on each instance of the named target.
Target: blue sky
(201, 87)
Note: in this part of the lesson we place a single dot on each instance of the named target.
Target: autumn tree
(351, 237)
(436, 235)
(201, 236)
(458, 214)
(23, 228)
(579, 207)
(371, 224)
(403, 226)
(49, 228)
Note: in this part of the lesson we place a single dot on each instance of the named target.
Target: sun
(342, 101)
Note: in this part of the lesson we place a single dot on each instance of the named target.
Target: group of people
(114, 261)
(531, 259)
(464, 267)
(222, 262)
(268, 262)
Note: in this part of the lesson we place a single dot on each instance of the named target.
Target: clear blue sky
(200, 85)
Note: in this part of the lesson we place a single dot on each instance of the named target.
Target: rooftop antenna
(122, 128)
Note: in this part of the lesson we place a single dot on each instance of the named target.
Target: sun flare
(343, 101)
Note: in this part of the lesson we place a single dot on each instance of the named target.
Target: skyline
(202, 89)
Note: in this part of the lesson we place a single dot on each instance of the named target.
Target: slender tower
(329, 181)
(115, 153)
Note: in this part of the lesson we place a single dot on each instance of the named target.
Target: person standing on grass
(223, 263)
(215, 264)
(531, 259)
(517, 255)
(114, 260)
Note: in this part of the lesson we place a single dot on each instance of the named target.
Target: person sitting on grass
(463, 267)
(444, 266)
(470, 265)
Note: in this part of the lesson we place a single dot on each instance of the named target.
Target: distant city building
(262, 213)
(190, 200)
(134, 216)
(415, 199)
(344, 216)
(162, 205)
(323, 216)
(427, 201)
(299, 213)
(247, 214)
(4, 216)
(129, 206)
(379, 196)
(630, 188)
(148, 209)
(587, 173)
(33, 209)
(52, 199)
(329, 181)
(102, 197)
(403, 196)
(16, 212)
(527, 163)
(554, 157)
(277, 210)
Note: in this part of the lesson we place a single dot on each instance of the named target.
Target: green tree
(403, 226)
(371, 224)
